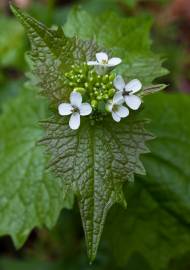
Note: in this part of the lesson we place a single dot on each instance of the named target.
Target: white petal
(92, 63)
(85, 109)
(75, 99)
(65, 109)
(114, 61)
(133, 102)
(122, 111)
(134, 86)
(116, 117)
(118, 98)
(119, 83)
(102, 57)
(74, 121)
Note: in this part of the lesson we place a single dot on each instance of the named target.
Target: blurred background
(64, 247)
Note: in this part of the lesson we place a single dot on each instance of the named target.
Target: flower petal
(118, 98)
(133, 86)
(133, 102)
(119, 83)
(114, 61)
(75, 99)
(65, 109)
(92, 63)
(85, 109)
(122, 111)
(116, 117)
(102, 57)
(74, 121)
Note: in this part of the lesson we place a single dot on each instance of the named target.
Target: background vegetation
(154, 232)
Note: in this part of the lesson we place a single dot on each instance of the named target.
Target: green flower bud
(111, 92)
(106, 108)
(110, 84)
(105, 78)
(71, 84)
(91, 79)
(80, 90)
(99, 97)
(86, 85)
(92, 73)
(111, 77)
(98, 78)
(94, 103)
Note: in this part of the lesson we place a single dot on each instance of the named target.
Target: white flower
(116, 108)
(76, 108)
(128, 91)
(102, 62)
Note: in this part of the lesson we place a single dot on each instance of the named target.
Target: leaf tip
(13, 8)
(92, 257)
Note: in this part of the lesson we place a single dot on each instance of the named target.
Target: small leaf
(29, 196)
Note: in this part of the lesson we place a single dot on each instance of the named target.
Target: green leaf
(130, 40)
(96, 160)
(29, 196)
(157, 223)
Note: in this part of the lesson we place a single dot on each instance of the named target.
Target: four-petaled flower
(116, 108)
(75, 108)
(128, 90)
(102, 62)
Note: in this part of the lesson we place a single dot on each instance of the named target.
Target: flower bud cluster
(96, 89)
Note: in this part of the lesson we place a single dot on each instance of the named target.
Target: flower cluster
(102, 91)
